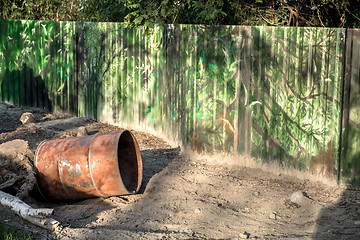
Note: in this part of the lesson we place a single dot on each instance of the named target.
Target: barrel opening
(129, 160)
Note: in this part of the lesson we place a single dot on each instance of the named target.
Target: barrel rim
(36, 152)
(37, 171)
(138, 159)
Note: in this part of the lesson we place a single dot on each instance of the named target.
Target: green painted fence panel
(296, 112)
(350, 159)
(282, 94)
(37, 63)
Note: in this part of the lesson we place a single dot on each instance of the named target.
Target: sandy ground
(189, 196)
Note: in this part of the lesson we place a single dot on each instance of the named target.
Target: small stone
(298, 198)
(197, 211)
(82, 132)
(27, 118)
(357, 223)
(256, 193)
(244, 235)
(272, 216)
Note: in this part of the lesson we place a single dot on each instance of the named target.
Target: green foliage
(10, 233)
(40, 9)
(102, 11)
(64, 10)
(329, 13)
(148, 13)
(210, 12)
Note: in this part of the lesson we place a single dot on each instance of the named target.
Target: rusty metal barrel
(99, 165)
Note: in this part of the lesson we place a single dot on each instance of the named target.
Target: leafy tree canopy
(329, 13)
(39, 9)
(64, 10)
(317, 13)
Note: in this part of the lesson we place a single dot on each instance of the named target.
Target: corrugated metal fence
(274, 92)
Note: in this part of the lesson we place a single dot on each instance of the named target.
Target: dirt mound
(17, 174)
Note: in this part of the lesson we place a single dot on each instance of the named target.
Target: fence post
(344, 98)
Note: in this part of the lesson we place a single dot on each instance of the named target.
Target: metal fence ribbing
(274, 92)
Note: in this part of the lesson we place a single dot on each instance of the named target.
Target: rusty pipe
(99, 165)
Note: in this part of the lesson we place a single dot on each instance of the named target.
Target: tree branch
(283, 113)
(39, 217)
(295, 13)
(302, 149)
(275, 142)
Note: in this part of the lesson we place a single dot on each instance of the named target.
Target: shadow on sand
(341, 220)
